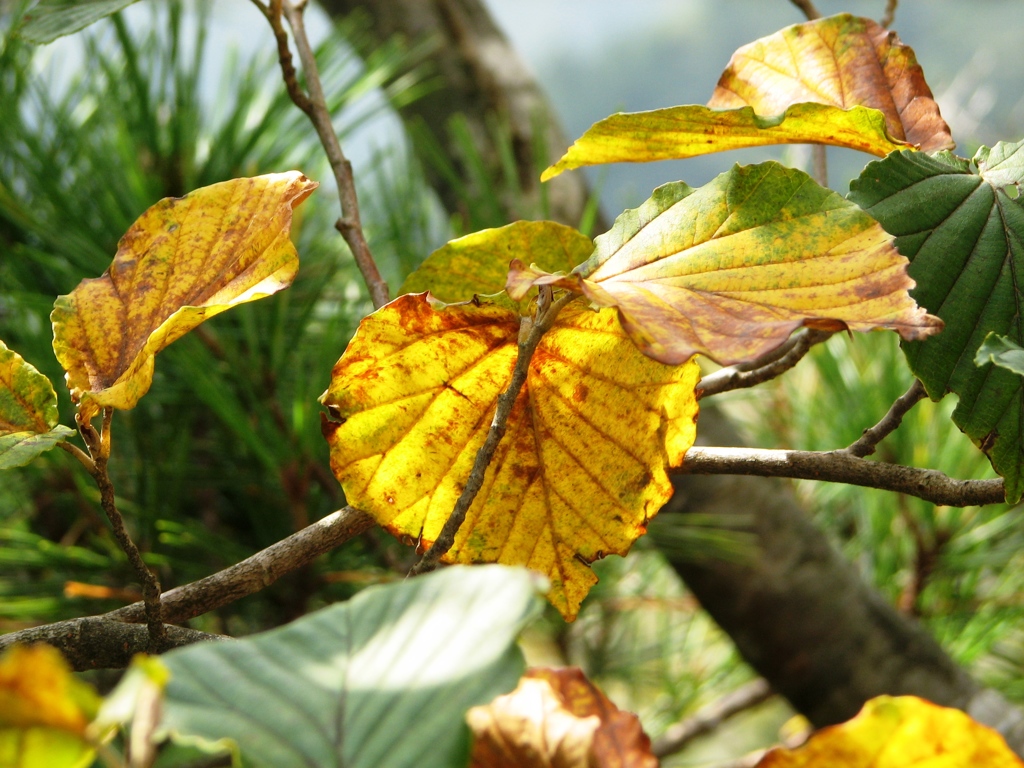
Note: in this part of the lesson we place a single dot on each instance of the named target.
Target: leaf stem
(530, 333)
(843, 467)
(314, 105)
(763, 369)
(866, 444)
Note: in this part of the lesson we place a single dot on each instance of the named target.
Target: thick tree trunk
(799, 613)
(803, 618)
(484, 81)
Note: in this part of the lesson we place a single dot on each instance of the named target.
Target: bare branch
(96, 642)
(808, 8)
(256, 572)
(872, 436)
(98, 444)
(890, 13)
(711, 717)
(284, 56)
(842, 467)
(764, 369)
(530, 333)
(314, 104)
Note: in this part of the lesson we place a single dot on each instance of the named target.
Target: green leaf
(381, 681)
(56, 18)
(1001, 351)
(477, 263)
(28, 412)
(961, 224)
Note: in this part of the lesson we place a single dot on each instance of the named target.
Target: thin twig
(747, 761)
(711, 717)
(530, 333)
(256, 572)
(808, 8)
(314, 104)
(842, 467)
(99, 447)
(890, 13)
(872, 436)
(765, 368)
(819, 158)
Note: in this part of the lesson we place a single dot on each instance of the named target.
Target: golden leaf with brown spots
(184, 260)
(582, 466)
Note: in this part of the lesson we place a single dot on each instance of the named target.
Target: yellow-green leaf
(184, 260)
(843, 61)
(900, 732)
(44, 710)
(730, 270)
(28, 411)
(583, 464)
(476, 264)
(680, 132)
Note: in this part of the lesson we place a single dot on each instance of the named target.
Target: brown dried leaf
(557, 718)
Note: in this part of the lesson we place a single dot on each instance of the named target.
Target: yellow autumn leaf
(730, 270)
(676, 133)
(44, 710)
(582, 466)
(557, 718)
(184, 260)
(900, 732)
(842, 61)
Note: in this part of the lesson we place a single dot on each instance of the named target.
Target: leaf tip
(553, 170)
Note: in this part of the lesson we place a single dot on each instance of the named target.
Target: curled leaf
(730, 270)
(900, 732)
(843, 61)
(581, 468)
(184, 260)
(1001, 351)
(557, 718)
(680, 132)
(28, 411)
